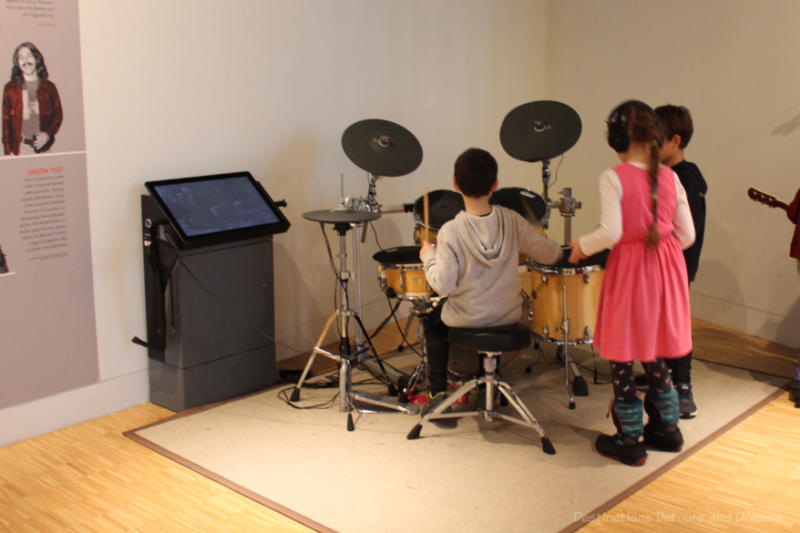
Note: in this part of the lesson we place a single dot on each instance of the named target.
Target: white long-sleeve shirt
(609, 230)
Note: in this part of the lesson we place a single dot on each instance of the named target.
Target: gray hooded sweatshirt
(475, 264)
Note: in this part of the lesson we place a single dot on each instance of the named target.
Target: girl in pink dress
(643, 314)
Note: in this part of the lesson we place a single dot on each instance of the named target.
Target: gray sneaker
(686, 404)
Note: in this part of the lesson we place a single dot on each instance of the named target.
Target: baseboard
(48, 414)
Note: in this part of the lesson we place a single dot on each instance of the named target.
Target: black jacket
(696, 188)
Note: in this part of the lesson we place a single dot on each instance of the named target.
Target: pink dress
(644, 301)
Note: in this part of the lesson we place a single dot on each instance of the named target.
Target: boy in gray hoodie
(474, 264)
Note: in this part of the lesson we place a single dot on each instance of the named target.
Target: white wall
(176, 88)
(732, 62)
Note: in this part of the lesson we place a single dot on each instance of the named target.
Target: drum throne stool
(490, 343)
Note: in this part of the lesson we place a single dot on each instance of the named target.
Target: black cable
(339, 281)
(241, 316)
(377, 242)
(374, 351)
(330, 252)
(283, 394)
(346, 304)
(387, 319)
(402, 333)
(555, 176)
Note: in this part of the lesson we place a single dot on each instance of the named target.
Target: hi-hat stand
(344, 220)
(382, 148)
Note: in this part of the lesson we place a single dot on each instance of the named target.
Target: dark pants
(625, 385)
(437, 346)
(681, 369)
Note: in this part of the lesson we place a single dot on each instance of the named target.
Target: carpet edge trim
(669, 465)
(225, 482)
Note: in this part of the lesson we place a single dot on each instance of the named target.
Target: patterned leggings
(625, 387)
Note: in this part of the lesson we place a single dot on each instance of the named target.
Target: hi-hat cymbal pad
(341, 216)
(382, 148)
(540, 130)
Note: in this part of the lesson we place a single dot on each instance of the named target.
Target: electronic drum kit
(561, 299)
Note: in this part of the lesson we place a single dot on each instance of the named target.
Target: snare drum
(443, 205)
(401, 274)
(581, 284)
(527, 203)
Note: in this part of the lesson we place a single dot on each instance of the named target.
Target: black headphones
(618, 138)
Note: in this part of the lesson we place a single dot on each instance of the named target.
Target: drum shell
(407, 281)
(582, 287)
(401, 272)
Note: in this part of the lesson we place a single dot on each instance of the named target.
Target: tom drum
(443, 205)
(564, 298)
(401, 274)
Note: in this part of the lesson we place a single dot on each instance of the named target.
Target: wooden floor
(89, 477)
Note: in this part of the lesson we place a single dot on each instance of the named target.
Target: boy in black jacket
(677, 124)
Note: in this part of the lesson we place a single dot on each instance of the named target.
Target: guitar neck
(766, 199)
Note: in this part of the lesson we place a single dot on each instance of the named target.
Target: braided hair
(635, 121)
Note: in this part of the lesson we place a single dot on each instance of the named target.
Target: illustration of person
(32, 111)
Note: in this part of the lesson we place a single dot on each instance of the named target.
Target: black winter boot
(626, 446)
(661, 431)
(794, 392)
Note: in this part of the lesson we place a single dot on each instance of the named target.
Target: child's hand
(426, 246)
(577, 254)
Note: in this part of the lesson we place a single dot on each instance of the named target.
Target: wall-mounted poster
(46, 304)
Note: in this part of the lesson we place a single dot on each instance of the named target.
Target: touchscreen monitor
(208, 210)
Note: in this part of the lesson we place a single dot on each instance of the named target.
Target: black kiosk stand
(208, 273)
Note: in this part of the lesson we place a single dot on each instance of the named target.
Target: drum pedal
(579, 386)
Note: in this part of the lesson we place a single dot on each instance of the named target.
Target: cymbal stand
(372, 201)
(545, 188)
(579, 387)
(566, 206)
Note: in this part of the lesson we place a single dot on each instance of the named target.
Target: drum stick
(530, 216)
(426, 215)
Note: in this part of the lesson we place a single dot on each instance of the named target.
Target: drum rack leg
(578, 385)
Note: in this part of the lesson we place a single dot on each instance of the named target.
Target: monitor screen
(214, 209)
